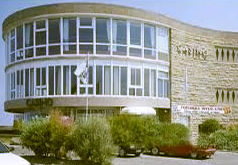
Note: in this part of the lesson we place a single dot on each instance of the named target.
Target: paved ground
(220, 158)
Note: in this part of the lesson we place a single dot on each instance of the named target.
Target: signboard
(202, 109)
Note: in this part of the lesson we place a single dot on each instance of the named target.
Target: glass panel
(69, 33)
(107, 80)
(73, 81)
(69, 49)
(132, 92)
(18, 83)
(66, 80)
(28, 53)
(85, 35)
(123, 80)
(119, 50)
(103, 30)
(138, 92)
(99, 80)
(163, 39)
(133, 76)
(12, 85)
(90, 78)
(41, 51)
(82, 90)
(37, 76)
(41, 38)
(103, 49)
(12, 57)
(29, 34)
(135, 33)
(149, 54)
(13, 40)
(119, 34)
(85, 22)
(85, 49)
(54, 30)
(149, 36)
(160, 86)
(135, 52)
(57, 80)
(40, 24)
(163, 74)
(153, 83)
(54, 50)
(146, 82)
(116, 80)
(19, 37)
(166, 88)
(43, 78)
(138, 77)
(51, 80)
(27, 82)
(31, 82)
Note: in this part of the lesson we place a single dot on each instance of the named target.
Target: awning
(142, 110)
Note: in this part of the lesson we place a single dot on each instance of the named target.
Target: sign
(192, 51)
(201, 109)
(40, 102)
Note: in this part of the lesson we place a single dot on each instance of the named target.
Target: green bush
(47, 137)
(92, 141)
(35, 135)
(209, 126)
(128, 130)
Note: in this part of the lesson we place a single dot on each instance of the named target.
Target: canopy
(142, 110)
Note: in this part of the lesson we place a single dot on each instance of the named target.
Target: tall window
(19, 52)
(149, 82)
(69, 35)
(54, 36)
(135, 39)
(73, 81)
(12, 45)
(103, 35)
(98, 80)
(163, 43)
(12, 79)
(40, 82)
(66, 73)
(146, 82)
(40, 35)
(149, 42)
(85, 36)
(58, 80)
(28, 40)
(135, 83)
(51, 80)
(163, 84)
(55, 80)
(123, 80)
(20, 88)
(119, 37)
(107, 80)
(29, 82)
(116, 80)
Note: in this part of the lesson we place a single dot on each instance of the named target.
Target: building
(136, 58)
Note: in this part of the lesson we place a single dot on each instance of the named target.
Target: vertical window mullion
(128, 37)
(23, 46)
(61, 79)
(34, 38)
(103, 79)
(111, 93)
(94, 35)
(77, 34)
(61, 36)
(111, 36)
(54, 80)
(70, 80)
(142, 39)
(47, 36)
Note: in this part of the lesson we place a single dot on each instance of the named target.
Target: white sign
(209, 109)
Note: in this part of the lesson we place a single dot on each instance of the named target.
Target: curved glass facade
(140, 69)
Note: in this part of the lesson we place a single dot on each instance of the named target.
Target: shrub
(35, 135)
(92, 141)
(128, 130)
(17, 124)
(209, 126)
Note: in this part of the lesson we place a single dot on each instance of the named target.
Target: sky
(214, 14)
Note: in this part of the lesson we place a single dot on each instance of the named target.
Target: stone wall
(200, 76)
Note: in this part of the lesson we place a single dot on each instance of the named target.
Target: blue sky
(214, 14)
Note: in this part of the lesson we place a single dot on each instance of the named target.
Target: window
(28, 40)
(135, 84)
(153, 83)
(135, 33)
(115, 80)
(73, 81)
(149, 82)
(40, 82)
(123, 80)
(69, 35)
(103, 34)
(163, 43)
(54, 36)
(66, 80)
(146, 82)
(90, 82)
(85, 21)
(29, 82)
(12, 45)
(85, 36)
(40, 34)
(51, 80)
(149, 41)
(19, 35)
(27, 75)
(163, 84)
(107, 80)
(19, 87)
(58, 80)
(98, 80)
(119, 37)
(12, 79)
